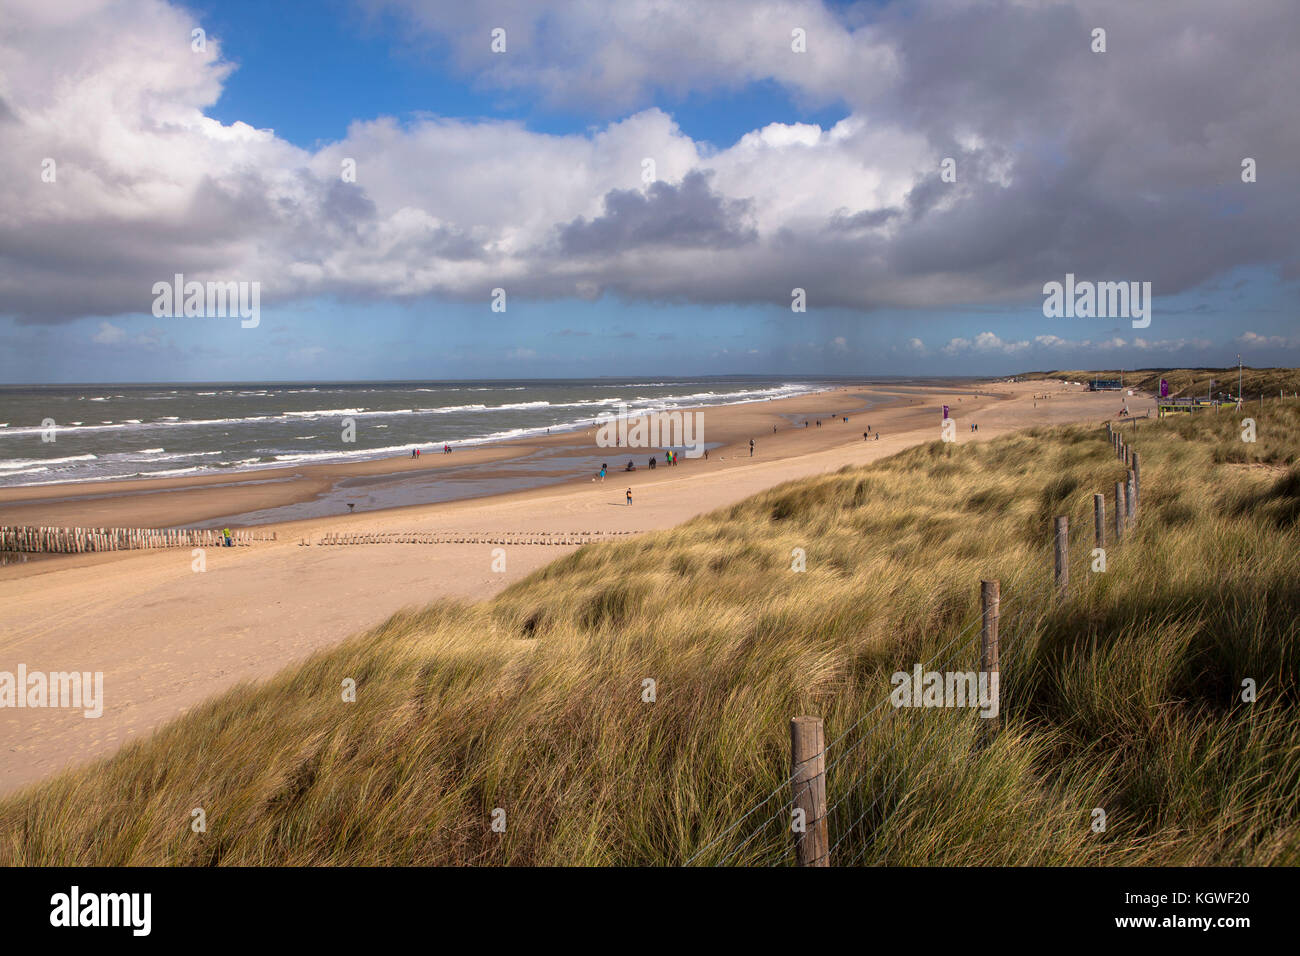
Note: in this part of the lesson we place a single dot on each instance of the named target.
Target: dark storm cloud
(688, 215)
(867, 219)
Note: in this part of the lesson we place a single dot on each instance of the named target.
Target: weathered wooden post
(808, 781)
(1132, 497)
(1062, 555)
(1119, 511)
(990, 649)
(1137, 483)
(1099, 519)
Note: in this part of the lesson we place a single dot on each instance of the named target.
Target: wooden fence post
(1099, 519)
(990, 649)
(990, 609)
(1062, 555)
(1132, 497)
(1119, 511)
(1137, 483)
(808, 781)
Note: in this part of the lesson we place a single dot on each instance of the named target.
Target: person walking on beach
(602, 472)
(226, 535)
(751, 448)
(629, 497)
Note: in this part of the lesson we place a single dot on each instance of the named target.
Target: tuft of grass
(1126, 695)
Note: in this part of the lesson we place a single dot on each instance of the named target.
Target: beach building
(1171, 405)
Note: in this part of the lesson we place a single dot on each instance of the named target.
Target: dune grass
(1124, 696)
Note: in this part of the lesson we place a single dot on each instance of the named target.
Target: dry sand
(166, 637)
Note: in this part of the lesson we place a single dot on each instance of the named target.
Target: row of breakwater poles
(49, 540)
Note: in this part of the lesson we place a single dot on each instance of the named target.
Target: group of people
(446, 450)
(818, 421)
(670, 458)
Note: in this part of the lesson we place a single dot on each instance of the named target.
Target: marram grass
(1124, 697)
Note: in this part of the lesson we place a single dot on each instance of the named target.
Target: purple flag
(1164, 389)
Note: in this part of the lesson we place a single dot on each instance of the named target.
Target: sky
(517, 189)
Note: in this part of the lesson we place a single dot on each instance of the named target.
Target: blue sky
(775, 170)
(309, 70)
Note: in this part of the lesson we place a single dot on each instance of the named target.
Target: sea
(103, 432)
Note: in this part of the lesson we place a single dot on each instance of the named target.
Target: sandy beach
(167, 638)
